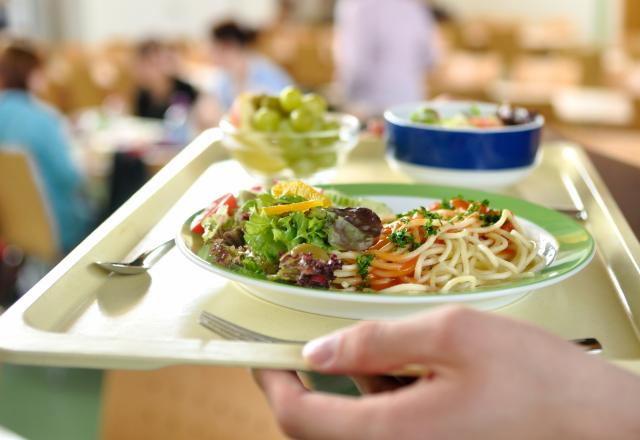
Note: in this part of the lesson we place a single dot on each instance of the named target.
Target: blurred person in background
(28, 124)
(159, 86)
(240, 68)
(382, 51)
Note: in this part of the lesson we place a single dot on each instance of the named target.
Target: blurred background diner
(99, 95)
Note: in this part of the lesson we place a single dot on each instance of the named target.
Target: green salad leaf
(270, 237)
(340, 199)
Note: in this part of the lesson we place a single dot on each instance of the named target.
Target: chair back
(25, 218)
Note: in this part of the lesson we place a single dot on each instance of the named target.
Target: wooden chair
(185, 403)
(25, 218)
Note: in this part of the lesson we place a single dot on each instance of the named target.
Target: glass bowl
(313, 156)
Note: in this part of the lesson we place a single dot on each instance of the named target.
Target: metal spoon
(141, 263)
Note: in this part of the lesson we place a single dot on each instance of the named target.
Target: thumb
(377, 347)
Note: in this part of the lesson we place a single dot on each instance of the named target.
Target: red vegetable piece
(228, 199)
(460, 204)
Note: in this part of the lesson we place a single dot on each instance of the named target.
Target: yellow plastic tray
(78, 316)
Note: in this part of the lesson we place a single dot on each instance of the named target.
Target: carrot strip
(381, 264)
(392, 273)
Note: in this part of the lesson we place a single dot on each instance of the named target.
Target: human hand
(490, 378)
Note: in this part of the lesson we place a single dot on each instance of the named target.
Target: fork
(231, 331)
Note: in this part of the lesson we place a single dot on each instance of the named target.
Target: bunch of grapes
(297, 124)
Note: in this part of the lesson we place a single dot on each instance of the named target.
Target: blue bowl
(485, 157)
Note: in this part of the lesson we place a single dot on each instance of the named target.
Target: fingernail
(320, 352)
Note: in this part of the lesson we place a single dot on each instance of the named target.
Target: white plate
(385, 306)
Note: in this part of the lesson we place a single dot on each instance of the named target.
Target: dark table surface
(623, 181)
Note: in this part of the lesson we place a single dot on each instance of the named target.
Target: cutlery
(141, 263)
(232, 331)
(576, 214)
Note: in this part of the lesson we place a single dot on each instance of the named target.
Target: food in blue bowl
(463, 143)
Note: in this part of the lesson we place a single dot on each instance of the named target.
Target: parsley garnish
(485, 202)
(473, 208)
(446, 204)
(432, 215)
(402, 238)
(430, 229)
(490, 217)
(364, 261)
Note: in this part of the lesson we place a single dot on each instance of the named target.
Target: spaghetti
(455, 245)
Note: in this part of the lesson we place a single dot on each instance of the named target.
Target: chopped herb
(490, 217)
(485, 202)
(423, 211)
(432, 215)
(402, 238)
(364, 261)
(474, 207)
(446, 204)
(404, 219)
(430, 229)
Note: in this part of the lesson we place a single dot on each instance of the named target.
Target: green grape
(271, 102)
(301, 119)
(315, 103)
(256, 100)
(325, 160)
(290, 98)
(330, 125)
(266, 119)
(285, 126)
(328, 141)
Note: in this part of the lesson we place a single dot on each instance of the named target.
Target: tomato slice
(507, 226)
(460, 204)
(228, 199)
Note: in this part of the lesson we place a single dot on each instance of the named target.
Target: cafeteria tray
(79, 316)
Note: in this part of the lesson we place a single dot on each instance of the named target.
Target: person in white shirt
(383, 50)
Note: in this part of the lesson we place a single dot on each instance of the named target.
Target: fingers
(376, 384)
(381, 347)
(305, 415)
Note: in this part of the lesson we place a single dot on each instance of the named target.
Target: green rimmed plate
(565, 244)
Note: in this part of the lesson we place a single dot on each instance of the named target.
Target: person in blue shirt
(30, 125)
(240, 68)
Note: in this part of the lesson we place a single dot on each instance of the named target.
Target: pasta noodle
(460, 246)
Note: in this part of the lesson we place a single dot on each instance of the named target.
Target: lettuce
(270, 237)
(340, 199)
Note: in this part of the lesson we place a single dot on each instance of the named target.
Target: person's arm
(55, 153)
(490, 377)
